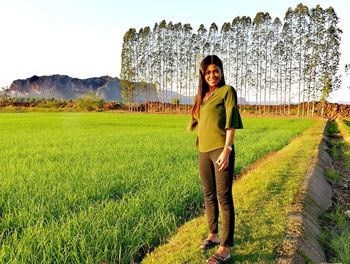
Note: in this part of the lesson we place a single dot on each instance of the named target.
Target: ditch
(335, 235)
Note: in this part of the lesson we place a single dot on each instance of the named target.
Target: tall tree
(235, 49)
(257, 54)
(214, 39)
(275, 58)
(266, 52)
(128, 72)
(317, 30)
(332, 54)
(289, 37)
(156, 58)
(225, 46)
(202, 39)
(177, 43)
(301, 15)
(246, 23)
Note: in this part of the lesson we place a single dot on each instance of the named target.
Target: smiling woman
(216, 114)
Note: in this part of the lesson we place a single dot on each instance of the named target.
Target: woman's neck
(212, 88)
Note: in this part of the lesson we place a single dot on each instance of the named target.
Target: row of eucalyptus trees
(268, 61)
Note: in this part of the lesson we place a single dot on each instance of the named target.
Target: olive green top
(216, 114)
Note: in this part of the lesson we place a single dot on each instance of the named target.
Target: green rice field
(107, 187)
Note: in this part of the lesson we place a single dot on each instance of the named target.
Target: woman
(215, 115)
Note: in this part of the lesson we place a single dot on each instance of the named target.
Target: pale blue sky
(83, 38)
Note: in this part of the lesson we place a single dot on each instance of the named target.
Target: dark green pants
(217, 189)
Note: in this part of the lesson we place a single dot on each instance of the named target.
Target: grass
(346, 122)
(335, 147)
(332, 128)
(24, 109)
(337, 238)
(263, 198)
(333, 175)
(106, 187)
(344, 126)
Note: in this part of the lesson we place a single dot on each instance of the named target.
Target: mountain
(106, 87)
(343, 102)
(63, 86)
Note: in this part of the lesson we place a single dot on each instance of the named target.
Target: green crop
(106, 187)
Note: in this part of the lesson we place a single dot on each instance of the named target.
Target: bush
(49, 104)
(332, 128)
(90, 102)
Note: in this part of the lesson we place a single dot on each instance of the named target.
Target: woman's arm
(223, 160)
(230, 134)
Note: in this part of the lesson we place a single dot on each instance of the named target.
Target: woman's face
(212, 75)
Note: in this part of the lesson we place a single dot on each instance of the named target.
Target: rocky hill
(106, 87)
(63, 86)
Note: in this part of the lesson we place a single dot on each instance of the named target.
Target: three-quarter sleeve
(233, 118)
(192, 124)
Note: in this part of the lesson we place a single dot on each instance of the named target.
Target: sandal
(207, 244)
(217, 259)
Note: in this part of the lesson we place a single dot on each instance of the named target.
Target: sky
(83, 38)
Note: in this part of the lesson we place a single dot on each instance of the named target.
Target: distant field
(91, 187)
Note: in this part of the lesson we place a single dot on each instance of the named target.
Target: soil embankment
(302, 239)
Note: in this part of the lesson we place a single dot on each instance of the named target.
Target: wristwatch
(228, 147)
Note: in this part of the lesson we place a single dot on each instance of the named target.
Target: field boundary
(301, 243)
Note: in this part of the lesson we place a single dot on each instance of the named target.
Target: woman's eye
(214, 72)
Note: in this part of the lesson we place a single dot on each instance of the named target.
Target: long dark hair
(203, 87)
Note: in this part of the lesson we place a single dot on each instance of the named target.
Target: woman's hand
(223, 159)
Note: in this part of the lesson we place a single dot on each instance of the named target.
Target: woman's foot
(221, 256)
(212, 241)
(223, 252)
